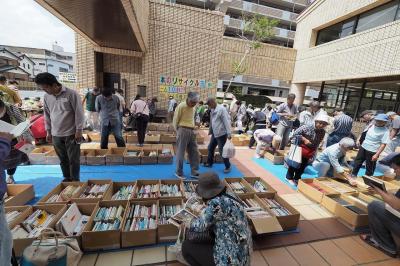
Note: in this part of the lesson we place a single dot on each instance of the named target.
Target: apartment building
(349, 52)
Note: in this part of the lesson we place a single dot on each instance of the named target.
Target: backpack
(274, 119)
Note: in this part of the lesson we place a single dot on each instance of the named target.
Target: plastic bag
(228, 150)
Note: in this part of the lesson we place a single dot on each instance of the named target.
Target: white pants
(239, 122)
(260, 145)
(92, 120)
(322, 168)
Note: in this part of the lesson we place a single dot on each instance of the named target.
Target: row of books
(170, 190)
(166, 212)
(94, 191)
(276, 207)
(141, 218)
(108, 218)
(148, 191)
(124, 193)
(259, 187)
(350, 206)
(33, 225)
(65, 195)
(336, 186)
(238, 188)
(11, 216)
(190, 189)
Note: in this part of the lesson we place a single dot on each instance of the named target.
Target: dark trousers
(198, 254)
(252, 139)
(296, 174)
(335, 138)
(69, 152)
(116, 131)
(364, 156)
(141, 126)
(220, 142)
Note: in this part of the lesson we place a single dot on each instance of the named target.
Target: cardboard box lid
(266, 225)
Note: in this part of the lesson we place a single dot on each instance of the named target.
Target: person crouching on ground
(384, 225)
(107, 105)
(225, 217)
(184, 126)
(220, 131)
(334, 158)
(267, 140)
(64, 120)
(308, 137)
(5, 234)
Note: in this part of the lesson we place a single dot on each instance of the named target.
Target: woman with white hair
(308, 137)
(266, 140)
(334, 157)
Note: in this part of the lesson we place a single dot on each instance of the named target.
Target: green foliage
(237, 68)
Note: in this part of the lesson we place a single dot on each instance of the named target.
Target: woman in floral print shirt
(225, 217)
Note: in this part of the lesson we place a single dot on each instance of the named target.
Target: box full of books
(97, 157)
(14, 213)
(337, 186)
(149, 155)
(363, 183)
(51, 158)
(352, 210)
(147, 189)
(115, 156)
(276, 158)
(314, 190)
(261, 218)
(165, 155)
(94, 137)
(152, 138)
(133, 156)
(104, 228)
(94, 191)
(121, 191)
(170, 189)
(84, 153)
(288, 217)
(63, 193)
(75, 220)
(29, 226)
(189, 189)
(260, 186)
(140, 227)
(18, 194)
(38, 155)
(131, 137)
(167, 138)
(167, 208)
(239, 186)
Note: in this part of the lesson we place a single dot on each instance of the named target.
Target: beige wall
(271, 61)
(371, 53)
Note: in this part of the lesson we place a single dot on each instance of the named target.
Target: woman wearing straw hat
(225, 219)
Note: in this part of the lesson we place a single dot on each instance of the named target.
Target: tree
(260, 29)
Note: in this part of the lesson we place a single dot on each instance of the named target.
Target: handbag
(307, 152)
(294, 157)
(177, 247)
(52, 249)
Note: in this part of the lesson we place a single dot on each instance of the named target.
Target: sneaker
(292, 182)
(258, 156)
(227, 170)
(10, 179)
(67, 180)
(180, 176)
(194, 174)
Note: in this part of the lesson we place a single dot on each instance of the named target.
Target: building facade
(349, 51)
(13, 66)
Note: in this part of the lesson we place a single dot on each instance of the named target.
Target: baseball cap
(382, 117)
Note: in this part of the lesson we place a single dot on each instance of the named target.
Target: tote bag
(293, 159)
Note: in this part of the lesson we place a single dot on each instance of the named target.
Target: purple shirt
(4, 152)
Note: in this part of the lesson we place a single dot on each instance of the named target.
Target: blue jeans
(334, 138)
(5, 238)
(116, 131)
(220, 142)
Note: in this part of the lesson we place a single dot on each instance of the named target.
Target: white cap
(322, 118)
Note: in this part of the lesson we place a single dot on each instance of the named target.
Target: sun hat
(372, 112)
(209, 185)
(322, 118)
(382, 117)
(390, 113)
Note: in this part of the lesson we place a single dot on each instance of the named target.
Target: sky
(26, 23)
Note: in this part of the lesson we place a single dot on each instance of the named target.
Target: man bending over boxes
(267, 140)
(384, 216)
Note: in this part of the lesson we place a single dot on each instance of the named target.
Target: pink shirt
(140, 106)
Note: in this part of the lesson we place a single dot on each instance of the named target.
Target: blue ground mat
(46, 177)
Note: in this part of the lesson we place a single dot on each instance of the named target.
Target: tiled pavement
(320, 240)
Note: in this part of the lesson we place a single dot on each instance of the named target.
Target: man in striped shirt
(342, 127)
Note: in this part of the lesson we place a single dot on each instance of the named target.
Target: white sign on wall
(67, 77)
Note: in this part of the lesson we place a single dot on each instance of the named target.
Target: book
(69, 220)
(191, 210)
(374, 182)
(392, 210)
(17, 130)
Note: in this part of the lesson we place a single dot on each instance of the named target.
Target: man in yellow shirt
(184, 125)
(8, 95)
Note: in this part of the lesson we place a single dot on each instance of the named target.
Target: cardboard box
(58, 189)
(277, 158)
(57, 209)
(142, 237)
(115, 156)
(19, 194)
(96, 137)
(270, 190)
(24, 212)
(133, 160)
(163, 127)
(337, 186)
(311, 192)
(84, 153)
(96, 157)
(103, 240)
(167, 138)
(38, 155)
(147, 159)
(262, 225)
(106, 194)
(51, 158)
(171, 182)
(351, 218)
(288, 222)
(131, 137)
(140, 183)
(152, 126)
(203, 155)
(167, 157)
(248, 187)
(167, 232)
(200, 139)
(115, 186)
(152, 138)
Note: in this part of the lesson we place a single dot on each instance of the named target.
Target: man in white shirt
(171, 109)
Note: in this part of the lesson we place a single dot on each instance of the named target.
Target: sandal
(370, 241)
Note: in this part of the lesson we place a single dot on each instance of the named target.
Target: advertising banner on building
(178, 87)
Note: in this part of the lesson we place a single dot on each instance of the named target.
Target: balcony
(238, 24)
(283, 16)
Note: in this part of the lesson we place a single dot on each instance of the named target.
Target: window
(61, 69)
(23, 65)
(41, 64)
(337, 31)
(50, 65)
(29, 67)
(377, 16)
